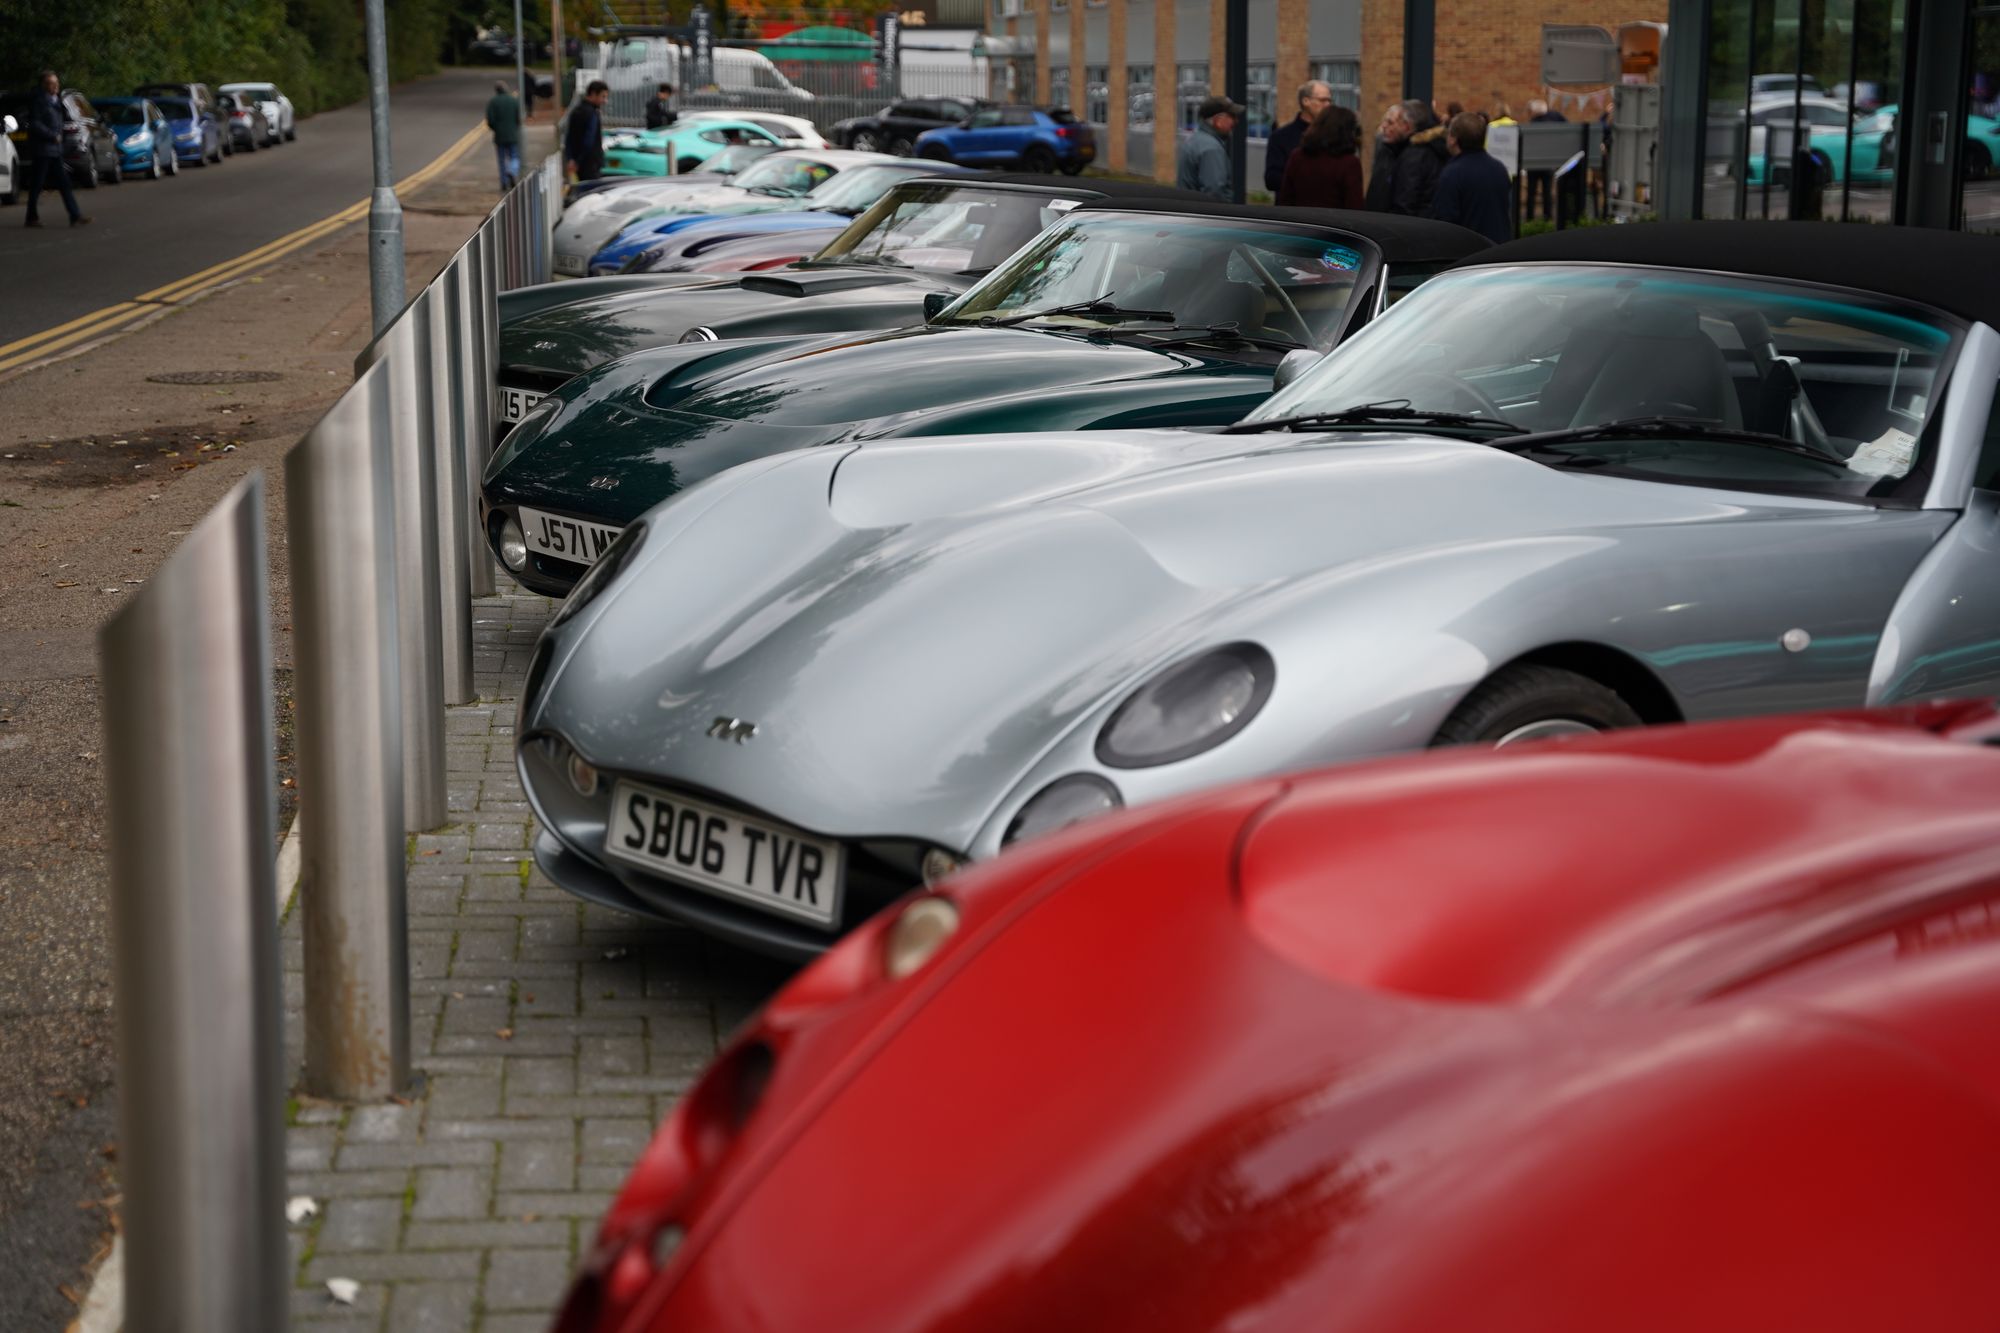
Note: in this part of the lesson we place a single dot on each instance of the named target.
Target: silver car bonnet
(912, 626)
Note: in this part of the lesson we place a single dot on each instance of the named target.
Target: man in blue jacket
(46, 116)
(1474, 190)
(583, 144)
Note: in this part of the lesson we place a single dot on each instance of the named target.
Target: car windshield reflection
(944, 228)
(1181, 275)
(1672, 375)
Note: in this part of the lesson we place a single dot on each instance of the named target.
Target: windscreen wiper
(1099, 307)
(1201, 333)
(1390, 412)
(1700, 429)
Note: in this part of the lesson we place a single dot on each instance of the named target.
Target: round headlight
(513, 546)
(1192, 706)
(1062, 803)
(701, 333)
(582, 776)
(920, 930)
(939, 864)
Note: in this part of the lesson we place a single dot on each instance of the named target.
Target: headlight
(701, 333)
(599, 576)
(141, 140)
(582, 775)
(919, 931)
(939, 864)
(513, 547)
(1192, 706)
(1060, 804)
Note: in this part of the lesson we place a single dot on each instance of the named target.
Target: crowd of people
(1428, 162)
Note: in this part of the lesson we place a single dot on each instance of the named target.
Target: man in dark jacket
(503, 117)
(46, 117)
(1392, 135)
(583, 144)
(660, 111)
(1419, 164)
(1473, 190)
(1314, 97)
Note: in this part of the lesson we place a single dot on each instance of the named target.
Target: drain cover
(215, 377)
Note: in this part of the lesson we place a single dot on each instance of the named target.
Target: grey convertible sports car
(1594, 479)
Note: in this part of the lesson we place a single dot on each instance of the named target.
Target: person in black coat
(46, 117)
(1474, 190)
(1314, 97)
(583, 142)
(1419, 164)
(660, 111)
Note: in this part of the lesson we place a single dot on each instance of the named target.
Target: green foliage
(313, 49)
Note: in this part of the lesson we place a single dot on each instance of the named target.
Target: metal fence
(386, 554)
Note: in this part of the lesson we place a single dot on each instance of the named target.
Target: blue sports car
(1025, 137)
(196, 138)
(144, 135)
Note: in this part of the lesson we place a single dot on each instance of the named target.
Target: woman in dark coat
(1324, 171)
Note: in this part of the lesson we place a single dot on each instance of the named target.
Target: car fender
(1184, 399)
(1940, 639)
(524, 301)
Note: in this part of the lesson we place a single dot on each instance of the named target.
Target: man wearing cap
(1203, 161)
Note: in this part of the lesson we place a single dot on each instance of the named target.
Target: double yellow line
(111, 318)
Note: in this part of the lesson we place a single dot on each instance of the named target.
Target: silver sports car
(1630, 475)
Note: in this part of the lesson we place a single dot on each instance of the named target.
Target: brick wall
(1115, 88)
(1079, 87)
(1165, 135)
(1042, 84)
(1294, 45)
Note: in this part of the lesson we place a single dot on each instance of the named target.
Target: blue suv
(1025, 137)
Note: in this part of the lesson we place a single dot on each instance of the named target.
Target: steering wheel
(1456, 391)
(1284, 297)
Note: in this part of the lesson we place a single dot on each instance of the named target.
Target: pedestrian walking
(660, 111)
(1325, 172)
(1314, 97)
(583, 144)
(46, 118)
(503, 118)
(1541, 184)
(1202, 163)
(1473, 190)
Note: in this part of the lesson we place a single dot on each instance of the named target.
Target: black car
(894, 129)
(90, 149)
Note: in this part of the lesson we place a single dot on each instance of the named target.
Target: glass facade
(1979, 194)
(1260, 100)
(1193, 80)
(1139, 96)
(1344, 77)
(1097, 93)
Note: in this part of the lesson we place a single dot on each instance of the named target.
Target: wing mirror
(934, 304)
(1294, 364)
(11, 125)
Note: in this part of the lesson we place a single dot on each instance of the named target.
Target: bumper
(544, 574)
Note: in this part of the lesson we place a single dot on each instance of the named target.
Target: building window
(1139, 96)
(1344, 77)
(1193, 81)
(1097, 94)
(1059, 85)
(1260, 102)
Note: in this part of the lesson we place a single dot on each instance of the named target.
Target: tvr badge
(732, 729)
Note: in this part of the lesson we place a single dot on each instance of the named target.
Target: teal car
(1123, 313)
(1864, 151)
(682, 146)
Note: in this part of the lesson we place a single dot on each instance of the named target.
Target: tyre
(685, 165)
(867, 141)
(1072, 168)
(173, 164)
(1038, 159)
(153, 168)
(1529, 702)
(1978, 162)
(901, 146)
(117, 176)
(88, 180)
(291, 134)
(932, 152)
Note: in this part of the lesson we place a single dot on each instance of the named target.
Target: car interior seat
(1654, 360)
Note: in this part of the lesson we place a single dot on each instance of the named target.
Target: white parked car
(277, 107)
(10, 163)
(796, 131)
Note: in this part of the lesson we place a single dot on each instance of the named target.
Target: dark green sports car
(1124, 313)
(937, 234)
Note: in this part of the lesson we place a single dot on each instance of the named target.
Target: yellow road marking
(24, 350)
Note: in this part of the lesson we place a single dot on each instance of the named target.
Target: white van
(640, 64)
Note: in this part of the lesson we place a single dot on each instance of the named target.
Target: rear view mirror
(934, 304)
(1294, 364)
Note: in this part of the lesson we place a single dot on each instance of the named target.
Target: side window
(1406, 278)
(908, 111)
(984, 120)
(1020, 117)
(1986, 473)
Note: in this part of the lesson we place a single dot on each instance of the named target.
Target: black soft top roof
(1948, 270)
(1402, 240)
(1073, 187)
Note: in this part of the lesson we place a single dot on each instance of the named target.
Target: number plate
(566, 538)
(570, 264)
(514, 403)
(768, 866)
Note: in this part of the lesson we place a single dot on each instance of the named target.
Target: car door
(984, 139)
(1021, 126)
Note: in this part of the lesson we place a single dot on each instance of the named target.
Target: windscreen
(788, 176)
(945, 228)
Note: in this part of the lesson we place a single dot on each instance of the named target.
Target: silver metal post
(538, 217)
(403, 354)
(340, 514)
(476, 388)
(186, 670)
(449, 365)
(521, 67)
(385, 215)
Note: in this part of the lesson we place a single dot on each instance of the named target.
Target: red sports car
(1692, 1028)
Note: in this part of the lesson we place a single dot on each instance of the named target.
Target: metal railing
(386, 553)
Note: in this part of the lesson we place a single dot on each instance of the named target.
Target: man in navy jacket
(1473, 190)
(583, 143)
(46, 117)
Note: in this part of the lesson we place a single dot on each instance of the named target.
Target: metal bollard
(537, 222)
(402, 354)
(188, 744)
(476, 388)
(447, 365)
(341, 515)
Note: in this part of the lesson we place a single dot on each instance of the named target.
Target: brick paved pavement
(551, 1037)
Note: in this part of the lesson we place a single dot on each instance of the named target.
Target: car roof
(841, 157)
(1952, 271)
(1402, 240)
(1059, 187)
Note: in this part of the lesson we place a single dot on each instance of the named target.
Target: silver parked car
(281, 124)
(1595, 479)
